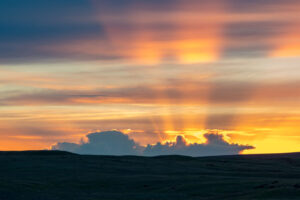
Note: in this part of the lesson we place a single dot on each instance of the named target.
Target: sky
(158, 72)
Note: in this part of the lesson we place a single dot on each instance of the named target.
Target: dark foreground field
(60, 175)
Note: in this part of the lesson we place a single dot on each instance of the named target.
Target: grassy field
(59, 175)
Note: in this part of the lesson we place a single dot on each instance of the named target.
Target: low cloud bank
(118, 143)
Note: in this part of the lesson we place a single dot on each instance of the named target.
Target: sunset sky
(152, 69)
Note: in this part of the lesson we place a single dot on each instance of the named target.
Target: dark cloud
(103, 143)
(250, 39)
(250, 6)
(41, 34)
(49, 30)
(36, 30)
(215, 145)
(117, 143)
(193, 92)
(44, 11)
(66, 146)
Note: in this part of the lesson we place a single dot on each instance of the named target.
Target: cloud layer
(69, 67)
(151, 31)
(117, 143)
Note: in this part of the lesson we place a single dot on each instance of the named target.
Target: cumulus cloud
(215, 145)
(102, 143)
(118, 143)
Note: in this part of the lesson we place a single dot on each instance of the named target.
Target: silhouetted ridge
(38, 152)
(174, 157)
(58, 175)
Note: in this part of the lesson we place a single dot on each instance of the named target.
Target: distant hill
(38, 152)
(57, 175)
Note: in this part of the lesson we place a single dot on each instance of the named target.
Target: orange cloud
(287, 42)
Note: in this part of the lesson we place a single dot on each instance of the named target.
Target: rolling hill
(55, 175)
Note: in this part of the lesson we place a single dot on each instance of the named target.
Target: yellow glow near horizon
(275, 145)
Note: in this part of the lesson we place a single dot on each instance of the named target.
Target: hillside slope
(60, 175)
